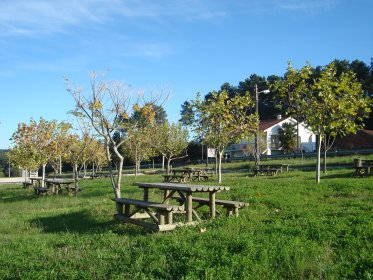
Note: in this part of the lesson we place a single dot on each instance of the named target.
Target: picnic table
(55, 184)
(363, 167)
(32, 181)
(270, 169)
(183, 194)
(187, 174)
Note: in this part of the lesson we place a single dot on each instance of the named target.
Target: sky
(178, 46)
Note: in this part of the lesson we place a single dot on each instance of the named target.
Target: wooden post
(189, 207)
(146, 194)
(212, 204)
(169, 218)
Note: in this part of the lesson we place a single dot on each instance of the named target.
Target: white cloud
(307, 6)
(33, 17)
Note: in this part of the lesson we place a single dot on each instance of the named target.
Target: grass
(293, 229)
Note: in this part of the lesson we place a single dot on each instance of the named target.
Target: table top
(182, 187)
(58, 181)
(36, 178)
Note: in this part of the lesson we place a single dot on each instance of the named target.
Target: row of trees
(44, 142)
(331, 102)
(128, 123)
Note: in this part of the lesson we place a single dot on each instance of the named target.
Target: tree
(287, 136)
(330, 105)
(222, 120)
(77, 153)
(138, 146)
(107, 107)
(24, 157)
(291, 92)
(37, 139)
(169, 140)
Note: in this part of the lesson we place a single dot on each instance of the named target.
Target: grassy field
(293, 229)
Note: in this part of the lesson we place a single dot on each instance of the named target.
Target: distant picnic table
(363, 167)
(188, 174)
(53, 186)
(270, 169)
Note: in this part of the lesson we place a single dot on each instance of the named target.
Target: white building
(270, 142)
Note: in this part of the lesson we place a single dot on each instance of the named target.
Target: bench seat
(363, 170)
(41, 190)
(231, 206)
(162, 218)
(27, 184)
(72, 189)
(174, 178)
(202, 176)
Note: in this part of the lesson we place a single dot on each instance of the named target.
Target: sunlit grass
(293, 229)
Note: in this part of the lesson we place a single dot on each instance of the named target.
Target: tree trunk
(162, 162)
(115, 184)
(168, 166)
(43, 175)
(85, 169)
(76, 179)
(324, 161)
(318, 159)
(220, 154)
(60, 167)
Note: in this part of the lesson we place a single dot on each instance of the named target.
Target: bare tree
(107, 107)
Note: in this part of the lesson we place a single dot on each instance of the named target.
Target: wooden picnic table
(281, 167)
(363, 167)
(161, 213)
(187, 174)
(185, 192)
(55, 184)
(36, 181)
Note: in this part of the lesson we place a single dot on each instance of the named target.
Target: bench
(231, 206)
(162, 218)
(174, 178)
(363, 170)
(265, 171)
(72, 189)
(41, 190)
(202, 176)
(27, 184)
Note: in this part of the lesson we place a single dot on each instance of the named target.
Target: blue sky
(184, 46)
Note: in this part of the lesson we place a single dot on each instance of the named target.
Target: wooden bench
(231, 206)
(174, 178)
(363, 170)
(202, 176)
(27, 184)
(162, 218)
(72, 189)
(265, 171)
(41, 190)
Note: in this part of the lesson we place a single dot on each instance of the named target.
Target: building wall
(307, 141)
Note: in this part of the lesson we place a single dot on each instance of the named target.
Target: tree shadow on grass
(83, 222)
(339, 176)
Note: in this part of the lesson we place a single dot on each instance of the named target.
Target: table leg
(146, 194)
(189, 208)
(212, 204)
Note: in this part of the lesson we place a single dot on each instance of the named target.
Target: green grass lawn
(293, 229)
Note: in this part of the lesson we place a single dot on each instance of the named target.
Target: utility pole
(257, 152)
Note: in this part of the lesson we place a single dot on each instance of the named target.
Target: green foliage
(287, 136)
(293, 229)
(221, 120)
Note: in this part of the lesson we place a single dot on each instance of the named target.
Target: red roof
(367, 131)
(265, 124)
